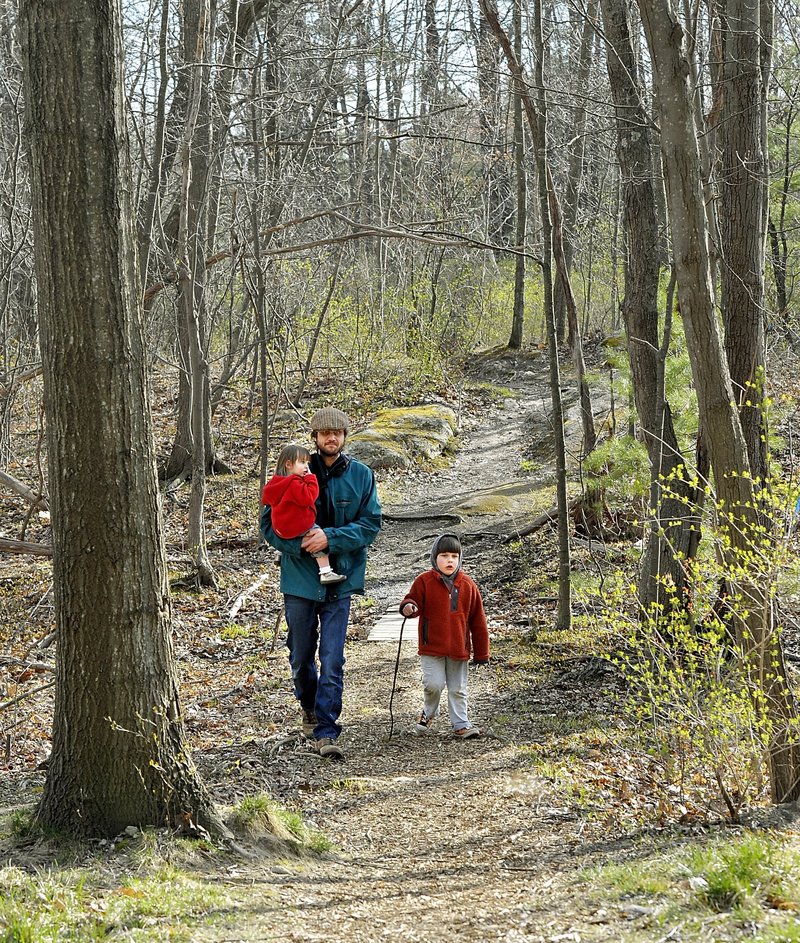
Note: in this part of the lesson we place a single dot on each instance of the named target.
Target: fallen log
(7, 545)
(545, 518)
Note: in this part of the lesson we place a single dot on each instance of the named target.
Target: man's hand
(409, 610)
(315, 540)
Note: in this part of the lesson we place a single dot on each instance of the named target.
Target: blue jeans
(310, 624)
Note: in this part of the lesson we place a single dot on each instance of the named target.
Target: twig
(275, 631)
(21, 697)
(23, 663)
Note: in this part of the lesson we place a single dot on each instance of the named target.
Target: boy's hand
(409, 610)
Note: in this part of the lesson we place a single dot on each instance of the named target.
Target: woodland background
(298, 203)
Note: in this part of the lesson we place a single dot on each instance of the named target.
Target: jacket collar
(338, 468)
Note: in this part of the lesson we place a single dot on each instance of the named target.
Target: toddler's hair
(290, 453)
(448, 543)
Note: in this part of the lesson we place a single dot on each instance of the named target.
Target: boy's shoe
(467, 733)
(309, 723)
(327, 747)
(331, 577)
(423, 725)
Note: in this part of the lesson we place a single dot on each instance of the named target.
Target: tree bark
(537, 122)
(668, 540)
(741, 180)
(120, 755)
(518, 319)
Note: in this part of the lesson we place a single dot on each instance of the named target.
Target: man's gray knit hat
(329, 418)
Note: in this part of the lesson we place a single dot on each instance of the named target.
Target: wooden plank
(387, 628)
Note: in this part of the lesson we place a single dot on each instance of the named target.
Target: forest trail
(435, 837)
(505, 455)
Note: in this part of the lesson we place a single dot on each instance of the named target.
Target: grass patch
(746, 888)
(260, 817)
(233, 631)
(91, 903)
(747, 875)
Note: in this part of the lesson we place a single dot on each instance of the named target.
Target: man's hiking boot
(467, 733)
(327, 747)
(309, 723)
(330, 577)
(423, 725)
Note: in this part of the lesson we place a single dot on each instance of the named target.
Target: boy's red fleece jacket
(449, 623)
(292, 501)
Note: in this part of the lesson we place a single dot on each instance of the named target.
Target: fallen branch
(20, 488)
(547, 517)
(403, 518)
(237, 604)
(8, 545)
(7, 389)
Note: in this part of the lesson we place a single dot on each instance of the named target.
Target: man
(349, 518)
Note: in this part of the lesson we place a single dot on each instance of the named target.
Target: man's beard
(329, 450)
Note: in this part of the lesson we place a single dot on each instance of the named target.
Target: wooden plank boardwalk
(387, 628)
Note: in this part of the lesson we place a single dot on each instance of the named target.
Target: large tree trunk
(119, 754)
(668, 540)
(736, 502)
(741, 180)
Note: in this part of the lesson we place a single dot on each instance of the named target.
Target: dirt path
(434, 837)
(505, 454)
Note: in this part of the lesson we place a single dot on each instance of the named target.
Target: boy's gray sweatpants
(439, 673)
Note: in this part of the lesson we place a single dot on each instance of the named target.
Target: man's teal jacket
(350, 501)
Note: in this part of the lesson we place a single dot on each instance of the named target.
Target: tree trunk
(741, 180)
(120, 755)
(518, 319)
(499, 228)
(537, 122)
(575, 169)
(191, 261)
(576, 346)
(668, 540)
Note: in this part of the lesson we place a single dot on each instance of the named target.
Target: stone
(398, 438)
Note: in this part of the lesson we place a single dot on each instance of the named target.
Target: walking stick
(394, 680)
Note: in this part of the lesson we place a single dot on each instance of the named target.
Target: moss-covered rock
(396, 438)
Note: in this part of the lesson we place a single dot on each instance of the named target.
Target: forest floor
(555, 826)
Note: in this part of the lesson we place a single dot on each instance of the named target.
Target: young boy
(292, 493)
(450, 611)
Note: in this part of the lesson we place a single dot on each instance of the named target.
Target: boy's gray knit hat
(329, 418)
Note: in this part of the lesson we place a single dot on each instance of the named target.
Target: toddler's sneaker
(423, 725)
(467, 733)
(331, 577)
